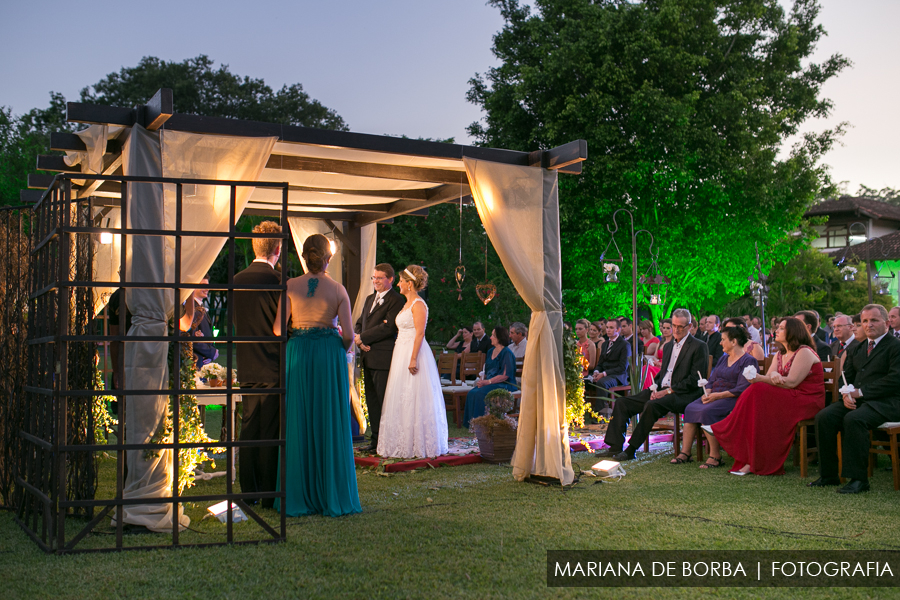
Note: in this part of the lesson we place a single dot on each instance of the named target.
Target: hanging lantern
(655, 299)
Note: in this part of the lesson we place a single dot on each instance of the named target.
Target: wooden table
(455, 395)
(205, 400)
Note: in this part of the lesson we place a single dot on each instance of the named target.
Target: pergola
(172, 186)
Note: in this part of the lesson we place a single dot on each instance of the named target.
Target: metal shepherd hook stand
(760, 289)
(635, 362)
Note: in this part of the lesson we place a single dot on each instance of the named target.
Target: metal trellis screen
(68, 489)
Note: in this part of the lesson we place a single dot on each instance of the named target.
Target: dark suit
(640, 344)
(837, 351)
(613, 360)
(822, 349)
(694, 357)
(877, 375)
(259, 368)
(714, 345)
(482, 345)
(377, 328)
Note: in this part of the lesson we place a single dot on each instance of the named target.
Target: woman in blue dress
(321, 474)
(499, 372)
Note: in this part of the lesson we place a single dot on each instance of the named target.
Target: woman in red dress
(587, 347)
(651, 347)
(760, 430)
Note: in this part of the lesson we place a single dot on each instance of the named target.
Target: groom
(376, 331)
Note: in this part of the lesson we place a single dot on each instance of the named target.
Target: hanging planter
(612, 272)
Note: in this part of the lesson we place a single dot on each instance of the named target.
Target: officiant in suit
(259, 364)
(376, 332)
(684, 358)
(873, 367)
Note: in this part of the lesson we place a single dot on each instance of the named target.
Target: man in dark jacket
(259, 363)
(873, 368)
(612, 362)
(811, 319)
(675, 386)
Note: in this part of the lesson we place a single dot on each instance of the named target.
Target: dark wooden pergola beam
(361, 169)
(61, 140)
(405, 207)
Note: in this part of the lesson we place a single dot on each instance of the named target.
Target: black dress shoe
(624, 455)
(608, 453)
(824, 482)
(854, 487)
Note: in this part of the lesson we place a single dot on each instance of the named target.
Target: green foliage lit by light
(573, 363)
(685, 106)
(103, 420)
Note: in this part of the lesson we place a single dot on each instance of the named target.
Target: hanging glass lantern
(655, 299)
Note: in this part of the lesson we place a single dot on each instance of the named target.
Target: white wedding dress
(414, 417)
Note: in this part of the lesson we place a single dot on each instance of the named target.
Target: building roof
(886, 247)
(860, 207)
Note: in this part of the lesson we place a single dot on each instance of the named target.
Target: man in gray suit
(844, 341)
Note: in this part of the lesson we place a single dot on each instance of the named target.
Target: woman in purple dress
(726, 382)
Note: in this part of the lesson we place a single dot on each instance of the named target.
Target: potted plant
(496, 430)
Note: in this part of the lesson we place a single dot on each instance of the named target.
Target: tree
(811, 280)
(198, 88)
(885, 194)
(685, 105)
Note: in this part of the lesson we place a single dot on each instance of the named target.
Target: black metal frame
(61, 271)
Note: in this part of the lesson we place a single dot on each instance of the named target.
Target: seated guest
(626, 330)
(726, 382)
(665, 336)
(754, 330)
(587, 347)
(683, 360)
(200, 326)
(612, 362)
(596, 331)
(651, 346)
(462, 342)
(760, 430)
(811, 319)
(713, 337)
(518, 333)
(694, 327)
(499, 372)
(873, 369)
(752, 348)
(481, 341)
(844, 340)
(894, 321)
(859, 332)
(702, 334)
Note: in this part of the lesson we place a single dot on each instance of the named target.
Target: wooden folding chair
(802, 451)
(888, 447)
(472, 364)
(446, 364)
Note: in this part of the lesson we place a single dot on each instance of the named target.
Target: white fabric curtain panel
(530, 253)
(303, 228)
(207, 207)
(151, 259)
(367, 248)
(146, 365)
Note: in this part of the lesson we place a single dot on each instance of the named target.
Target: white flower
(610, 268)
(848, 269)
(755, 285)
(214, 371)
(847, 389)
(750, 373)
(653, 387)
(702, 382)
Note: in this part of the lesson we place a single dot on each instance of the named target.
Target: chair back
(519, 364)
(446, 365)
(831, 371)
(768, 363)
(472, 363)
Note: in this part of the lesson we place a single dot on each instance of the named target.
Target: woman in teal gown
(320, 471)
(499, 372)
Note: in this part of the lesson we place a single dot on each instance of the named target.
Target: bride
(414, 419)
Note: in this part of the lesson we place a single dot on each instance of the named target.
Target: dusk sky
(395, 66)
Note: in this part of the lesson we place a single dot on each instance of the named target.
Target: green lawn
(473, 532)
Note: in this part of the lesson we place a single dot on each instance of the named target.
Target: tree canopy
(685, 105)
(198, 88)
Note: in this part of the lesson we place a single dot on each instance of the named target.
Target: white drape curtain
(527, 197)
(368, 244)
(151, 259)
(302, 229)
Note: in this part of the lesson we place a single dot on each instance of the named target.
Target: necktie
(841, 350)
(871, 345)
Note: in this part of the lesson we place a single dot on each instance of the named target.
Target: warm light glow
(106, 237)
(333, 247)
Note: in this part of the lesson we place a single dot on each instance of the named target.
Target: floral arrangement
(848, 270)
(610, 268)
(214, 371)
(755, 285)
(103, 420)
(573, 365)
(498, 403)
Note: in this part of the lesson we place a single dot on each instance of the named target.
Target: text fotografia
(707, 568)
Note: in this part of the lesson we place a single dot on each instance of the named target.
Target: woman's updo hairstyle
(419, 277)
(316, 252)
(738, 335)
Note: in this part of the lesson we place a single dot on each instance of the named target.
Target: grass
(474, 532)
